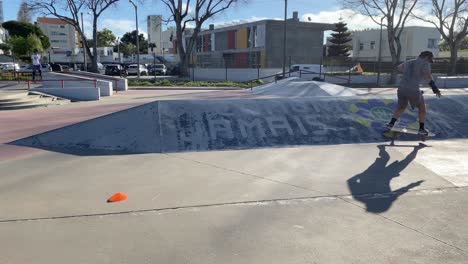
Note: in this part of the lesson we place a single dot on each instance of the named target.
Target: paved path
(354, 203)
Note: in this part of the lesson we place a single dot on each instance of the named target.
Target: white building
(105, 55)
(155, 34)
(167, 39)
(2, 37)
(2, 19)
(413, 39)
(64, 39)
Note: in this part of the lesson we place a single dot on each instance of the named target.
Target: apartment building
(414, 39)
(64, 39)
(260, 43)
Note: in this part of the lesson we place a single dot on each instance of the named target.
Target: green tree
(340, 40)
(130, 38)
(443, 46)
(127, 49)
(23, 47)
(22, 29)
(19, 45)
(106, 38)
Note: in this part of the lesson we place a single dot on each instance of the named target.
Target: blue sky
(121, 19)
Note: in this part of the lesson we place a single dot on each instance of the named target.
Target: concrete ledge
(105, 87)
(74, 94)
(119, 84)
(452, 82)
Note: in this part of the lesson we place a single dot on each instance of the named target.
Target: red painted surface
(232, 39)
(207, 42)
(241, 59)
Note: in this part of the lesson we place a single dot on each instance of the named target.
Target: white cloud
(357, 21)
(121, 26)
(225, 23)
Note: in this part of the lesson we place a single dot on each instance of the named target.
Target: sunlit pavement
(353, 203)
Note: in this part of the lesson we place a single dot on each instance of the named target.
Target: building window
(372, 45)
(432, 43)
(361, 46)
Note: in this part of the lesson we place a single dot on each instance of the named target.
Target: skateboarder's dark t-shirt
(414, 71)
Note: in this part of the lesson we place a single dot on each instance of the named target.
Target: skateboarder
(414, 71)
(36, 64)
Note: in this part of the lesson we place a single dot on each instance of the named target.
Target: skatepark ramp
(302, 88)
(200, 125)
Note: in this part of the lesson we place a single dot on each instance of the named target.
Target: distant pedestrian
(36, 64)
(414, 71)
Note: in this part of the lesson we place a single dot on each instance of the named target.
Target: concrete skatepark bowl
(292, 172)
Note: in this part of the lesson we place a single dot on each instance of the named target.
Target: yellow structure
(242, 38)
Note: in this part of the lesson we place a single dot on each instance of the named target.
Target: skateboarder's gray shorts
(413, 100)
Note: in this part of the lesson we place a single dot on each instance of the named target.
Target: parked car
(56, 67)
(26, 68)
(175, 70)
(157, 69)
(133, 69)
(45, 67)
(10, 66)
(115, 70)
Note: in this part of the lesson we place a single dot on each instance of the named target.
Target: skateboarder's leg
(402, 104)
(422, 110)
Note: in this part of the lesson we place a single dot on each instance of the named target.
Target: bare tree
(452, 23)
(395, 13)
(195, 13)
(70, 12)
(24, 12)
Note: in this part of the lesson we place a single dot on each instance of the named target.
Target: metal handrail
(62, 81)
(266, 77)
(324, 74)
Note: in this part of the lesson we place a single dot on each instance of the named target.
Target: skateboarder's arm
(434, 88)
(401, 67)
(427, 75)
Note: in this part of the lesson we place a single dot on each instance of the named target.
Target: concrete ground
(354, 203)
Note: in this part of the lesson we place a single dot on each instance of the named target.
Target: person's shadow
(372, 187)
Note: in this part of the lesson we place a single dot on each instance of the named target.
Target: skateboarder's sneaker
(389, 126)
(423, 132)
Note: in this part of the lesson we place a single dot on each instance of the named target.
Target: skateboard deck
(395, 131)
(408, 130)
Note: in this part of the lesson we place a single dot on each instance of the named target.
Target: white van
(314, 68)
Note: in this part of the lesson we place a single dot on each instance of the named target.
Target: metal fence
(17, 76)
(440, 65)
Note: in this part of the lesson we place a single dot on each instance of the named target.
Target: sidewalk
(320, 204)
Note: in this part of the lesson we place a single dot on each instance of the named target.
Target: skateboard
(395, 132)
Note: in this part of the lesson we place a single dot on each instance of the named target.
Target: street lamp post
(83, 40)
(284, 36)
(118, 49)
(137, 38)
(380, 52)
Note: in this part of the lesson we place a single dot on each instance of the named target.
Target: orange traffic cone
(117, 197)
(359, 68)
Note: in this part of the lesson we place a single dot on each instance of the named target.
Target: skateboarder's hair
(427, 54)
